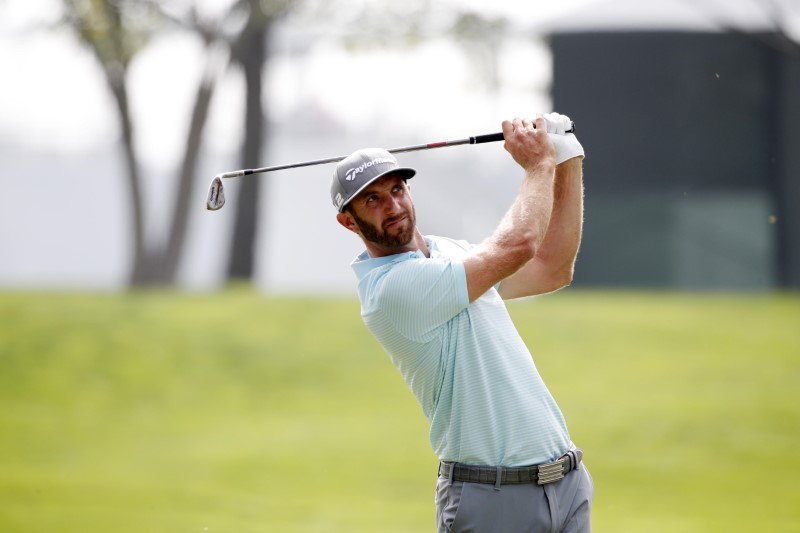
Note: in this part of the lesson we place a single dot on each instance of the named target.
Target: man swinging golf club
(436, 306)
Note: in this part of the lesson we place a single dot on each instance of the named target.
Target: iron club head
(216, 195)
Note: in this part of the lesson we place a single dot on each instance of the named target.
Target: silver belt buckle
(550, 472)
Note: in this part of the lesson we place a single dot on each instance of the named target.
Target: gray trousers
(561, 507)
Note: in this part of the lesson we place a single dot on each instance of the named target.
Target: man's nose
(391, 205)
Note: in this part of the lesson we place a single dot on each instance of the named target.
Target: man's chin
(402, 237)
(398, 241)
(397, 237)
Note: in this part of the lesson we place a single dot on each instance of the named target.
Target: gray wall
(692, 158)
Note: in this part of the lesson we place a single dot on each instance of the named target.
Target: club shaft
(478, 139)
(216, 194)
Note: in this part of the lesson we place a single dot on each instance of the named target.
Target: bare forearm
(562, 240)
(552, 266)
(524, 227)
(528, 217)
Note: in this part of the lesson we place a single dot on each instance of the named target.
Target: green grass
(170, 412)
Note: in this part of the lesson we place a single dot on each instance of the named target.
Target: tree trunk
(250, 51)
(141, 261)
(171, 255)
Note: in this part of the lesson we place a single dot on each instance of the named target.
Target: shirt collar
(363, 264)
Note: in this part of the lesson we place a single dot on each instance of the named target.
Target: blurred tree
(481, 38)
(116, 35)
(249, 50)
(115, 31)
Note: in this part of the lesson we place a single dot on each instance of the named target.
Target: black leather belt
(540, 474)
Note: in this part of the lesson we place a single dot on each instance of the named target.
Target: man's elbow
(560, 279)
(567, 279)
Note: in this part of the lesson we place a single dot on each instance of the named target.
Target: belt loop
(573, 462)
(499, 479)
(452, 473)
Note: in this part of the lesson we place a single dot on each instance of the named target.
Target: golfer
(507, 463)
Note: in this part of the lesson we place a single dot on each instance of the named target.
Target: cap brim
(404, 172)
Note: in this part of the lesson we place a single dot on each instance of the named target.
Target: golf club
(216, 194)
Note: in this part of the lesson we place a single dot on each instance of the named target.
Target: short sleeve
(420, 295)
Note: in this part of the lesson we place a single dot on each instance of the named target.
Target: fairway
(236, 412)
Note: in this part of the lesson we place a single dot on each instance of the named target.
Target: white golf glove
(566, 144)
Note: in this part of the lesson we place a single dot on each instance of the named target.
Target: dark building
(693, 157)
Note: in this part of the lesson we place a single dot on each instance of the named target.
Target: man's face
(384, 213)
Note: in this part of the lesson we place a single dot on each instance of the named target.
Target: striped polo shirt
(465, 362)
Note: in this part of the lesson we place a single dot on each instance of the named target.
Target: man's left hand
(566, 144)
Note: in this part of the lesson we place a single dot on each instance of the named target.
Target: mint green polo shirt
(465, 363)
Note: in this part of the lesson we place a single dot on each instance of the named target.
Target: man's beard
(381, 237)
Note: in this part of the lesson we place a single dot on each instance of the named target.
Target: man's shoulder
(407, 275)
(447, 244)
(444, 248)
(366, 266)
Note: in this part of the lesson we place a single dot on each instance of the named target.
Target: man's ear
(347, 221)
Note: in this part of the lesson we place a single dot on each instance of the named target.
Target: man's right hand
(528, 142)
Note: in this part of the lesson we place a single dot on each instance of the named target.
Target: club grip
(488, 138)
(493, 137)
